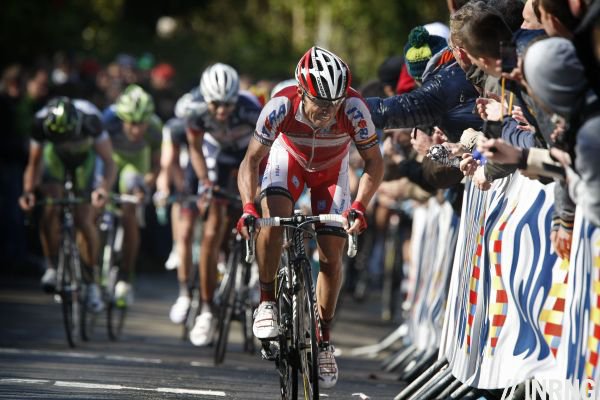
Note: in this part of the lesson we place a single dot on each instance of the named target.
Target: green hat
(135, 105)
(420, 48)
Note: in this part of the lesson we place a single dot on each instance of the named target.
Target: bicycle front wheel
(70, 292)
(226, 306)
(287, 360)
(115, 310)
(308, 345)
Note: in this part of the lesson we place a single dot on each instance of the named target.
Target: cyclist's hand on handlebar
(27, 201)
(99, 197)
(360, 222)
(159, 198)
(242, 224)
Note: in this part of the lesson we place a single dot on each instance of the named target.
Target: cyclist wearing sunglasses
(218, 133)
(307, 130)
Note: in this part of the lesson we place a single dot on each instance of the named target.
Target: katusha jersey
(315, 149)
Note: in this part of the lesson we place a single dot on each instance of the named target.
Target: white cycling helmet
(322, 74)
(220, 82)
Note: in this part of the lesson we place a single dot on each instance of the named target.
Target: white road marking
(134, 359)
(70, 354)
(17, 380)
(102, 386)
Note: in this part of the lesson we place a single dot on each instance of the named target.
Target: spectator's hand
(249, 212)
(489, 109)
(360, 223)
(561, 156)
(561, 241)
(499, 151)
(395, 189)
(524, 125)
(99, 197)
(27, 201)
(468, 165)
(480, 180)
(421, 142)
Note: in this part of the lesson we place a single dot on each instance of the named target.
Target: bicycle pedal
(269, 350)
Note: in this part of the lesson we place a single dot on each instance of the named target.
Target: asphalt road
(151, 361)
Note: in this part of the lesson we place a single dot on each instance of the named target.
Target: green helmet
(62, 119)
(135, 105)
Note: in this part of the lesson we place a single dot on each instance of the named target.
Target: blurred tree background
(263, 38)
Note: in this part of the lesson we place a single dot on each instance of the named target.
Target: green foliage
(263, 38)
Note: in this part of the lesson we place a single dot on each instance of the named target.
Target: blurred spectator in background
(161, 88)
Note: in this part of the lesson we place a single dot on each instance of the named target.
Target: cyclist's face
(319, 112)
(135, 130)
(220, 110)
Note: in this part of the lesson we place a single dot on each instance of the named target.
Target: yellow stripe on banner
(473, 284)
(595, 316)
(597, 262)
(554, 317)
(596, 287)
(564, 265)
(497, 283)
(493, 331)
(558, 290)
(589, 369)
(497, 309)
(548, 338)
(592, 344)
(496, 233)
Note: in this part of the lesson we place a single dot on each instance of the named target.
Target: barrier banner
(501, 279)
(432, 263)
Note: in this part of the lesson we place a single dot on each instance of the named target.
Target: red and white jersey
(315, 149)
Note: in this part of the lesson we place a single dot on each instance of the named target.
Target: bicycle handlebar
(297, 221)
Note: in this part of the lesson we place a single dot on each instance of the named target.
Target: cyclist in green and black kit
(135, 131)
(68, 135)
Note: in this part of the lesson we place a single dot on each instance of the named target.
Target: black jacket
(446, 99)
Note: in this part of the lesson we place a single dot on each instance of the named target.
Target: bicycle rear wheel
(287, 359)
(308, 344)
(227, 304)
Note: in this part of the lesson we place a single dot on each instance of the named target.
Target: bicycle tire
(226, 306)
(308, 342)
(246, 312)
(69, 292)
(115, 313)
(287, 359)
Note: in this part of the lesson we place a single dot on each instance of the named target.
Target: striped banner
(501, 279)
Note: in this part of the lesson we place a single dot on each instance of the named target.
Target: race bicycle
(295, 350)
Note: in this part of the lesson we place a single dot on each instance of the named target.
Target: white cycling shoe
(180, 309)
(94, 298)
(123, 294)
(265, 324)
(328, 370)
(204, 329)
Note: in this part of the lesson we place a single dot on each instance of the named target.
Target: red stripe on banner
(469, 341)
(497, 246)
(598, 302)
(472, 297)
(498, 268)
(559, 305)
(503, 225)
(478, 252)
(596, 332)
(553, 329)
(594, 359)
(494, 341)
(481, 230)
(501, 296)
(470, 319)
(554, 351)
(476, 272)
(498, 320)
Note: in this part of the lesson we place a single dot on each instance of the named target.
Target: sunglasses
(225, 104)
(324, 104)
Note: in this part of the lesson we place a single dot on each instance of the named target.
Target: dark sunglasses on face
(324, 104)
(225, 104)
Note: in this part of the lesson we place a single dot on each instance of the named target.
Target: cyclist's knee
(130, 180)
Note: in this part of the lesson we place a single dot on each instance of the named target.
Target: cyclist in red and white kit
(307, 130)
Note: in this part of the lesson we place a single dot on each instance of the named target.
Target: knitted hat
(560, 84)
(420, 48)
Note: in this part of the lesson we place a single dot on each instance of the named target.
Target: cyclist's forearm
(109, 177)
(30, 177)
(369, 181)
(248, 179)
